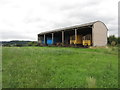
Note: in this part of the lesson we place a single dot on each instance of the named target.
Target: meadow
(59, 67)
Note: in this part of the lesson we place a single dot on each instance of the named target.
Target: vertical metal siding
(99, 32)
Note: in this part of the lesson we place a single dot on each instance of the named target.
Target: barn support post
(62, 37)
(39, 40)
(44, 39)
(52, 38)
(75, 37)
(92, 36)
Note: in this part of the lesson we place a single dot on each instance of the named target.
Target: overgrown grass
(59, 67)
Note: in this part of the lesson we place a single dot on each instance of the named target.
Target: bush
(113, 43)
(112, 40)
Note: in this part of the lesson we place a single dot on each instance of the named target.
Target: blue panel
(49, 40)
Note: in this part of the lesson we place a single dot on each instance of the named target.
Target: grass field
(59, 67)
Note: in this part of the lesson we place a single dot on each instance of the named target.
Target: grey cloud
(80, 5)
(88, 15)
(14, 35)
(81, 16)
(113, 32)
(74, 14)
(32, 20)
(3, 2)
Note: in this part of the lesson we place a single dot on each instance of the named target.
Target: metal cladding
(97, 31)
(99, 34)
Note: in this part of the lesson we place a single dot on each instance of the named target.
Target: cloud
(24, 19)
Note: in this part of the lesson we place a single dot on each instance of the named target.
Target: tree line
(112, 41)
(18, 43)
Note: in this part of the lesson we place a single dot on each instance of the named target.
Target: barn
(89, 34)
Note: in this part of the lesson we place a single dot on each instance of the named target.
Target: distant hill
(17, 43)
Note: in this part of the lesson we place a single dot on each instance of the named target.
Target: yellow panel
(78, 39)
(87, 39)
(86, 42)
(72, 41)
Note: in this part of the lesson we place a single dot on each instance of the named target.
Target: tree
(112, 40)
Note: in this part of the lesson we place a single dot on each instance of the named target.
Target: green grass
(59, 67)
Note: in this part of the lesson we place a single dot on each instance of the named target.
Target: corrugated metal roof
(67, 28)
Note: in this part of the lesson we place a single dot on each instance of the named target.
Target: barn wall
(99, 34)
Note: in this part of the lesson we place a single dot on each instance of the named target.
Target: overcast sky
(24, 19)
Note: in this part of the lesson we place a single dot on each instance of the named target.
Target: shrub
(112, 40)
(113, 43)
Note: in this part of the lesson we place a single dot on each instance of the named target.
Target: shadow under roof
(67, 28)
